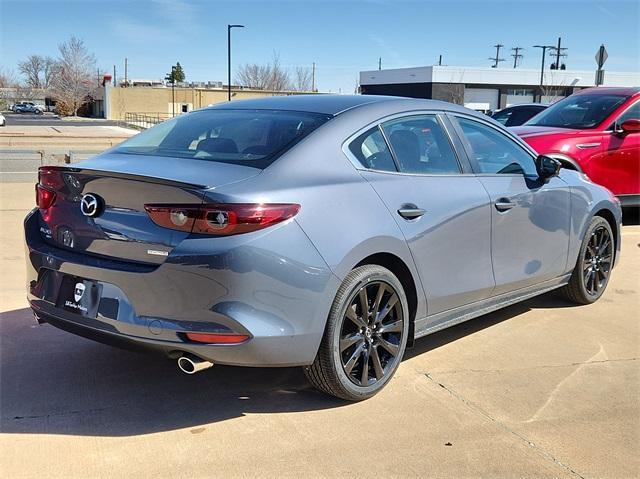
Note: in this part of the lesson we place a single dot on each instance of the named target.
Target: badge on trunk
(90, 205)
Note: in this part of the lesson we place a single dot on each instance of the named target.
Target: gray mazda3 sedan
(319, 231)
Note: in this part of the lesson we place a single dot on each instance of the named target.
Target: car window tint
(248, 137)
(421, 145)
(496, 153)
(632, 113)
(372, 151)
(503, 116)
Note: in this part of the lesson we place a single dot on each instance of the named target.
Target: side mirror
(630, 126)
(547, 167)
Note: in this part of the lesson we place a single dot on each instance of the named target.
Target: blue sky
(343, 38)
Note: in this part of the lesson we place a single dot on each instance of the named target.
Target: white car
(3, 120)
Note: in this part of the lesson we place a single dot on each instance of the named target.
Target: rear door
(442, 209)
(530, 219)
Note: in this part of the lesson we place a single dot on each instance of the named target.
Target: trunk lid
(119, 187)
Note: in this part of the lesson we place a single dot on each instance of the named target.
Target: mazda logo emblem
(90, 205)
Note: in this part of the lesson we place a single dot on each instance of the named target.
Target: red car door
(619, 165)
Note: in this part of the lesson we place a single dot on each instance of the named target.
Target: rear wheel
(593, 268)
(365, 337)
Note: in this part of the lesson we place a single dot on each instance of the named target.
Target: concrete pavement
(541, 389)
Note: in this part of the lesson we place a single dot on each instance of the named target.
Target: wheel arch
(400, 269)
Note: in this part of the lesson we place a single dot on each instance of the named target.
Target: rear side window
(421, 145)
(248, 137)
(372, 151)
(494, 152)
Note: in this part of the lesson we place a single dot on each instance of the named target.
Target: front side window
(579, 111)
(632, 113)
(421, 145)
(246, 137)
(372, 152)
(494, 152)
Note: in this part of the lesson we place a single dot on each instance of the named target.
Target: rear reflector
(217, 338)
(221, 219)
(44, 197)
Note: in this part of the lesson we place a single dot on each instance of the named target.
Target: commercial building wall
(120, 101)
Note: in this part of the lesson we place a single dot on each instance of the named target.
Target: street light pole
(229, 27)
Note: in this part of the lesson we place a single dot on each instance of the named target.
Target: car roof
(626, 91)
(331, 104)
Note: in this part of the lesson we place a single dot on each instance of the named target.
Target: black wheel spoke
(377, 365)
(348, 341)
(353, 359)
(395, 327)
(354, 318)
(364, 303)
(364, 378)
(376, 305)
(391, 302)
(390, 347)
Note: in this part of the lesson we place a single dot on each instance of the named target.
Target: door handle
(411, 212)
(504, 204)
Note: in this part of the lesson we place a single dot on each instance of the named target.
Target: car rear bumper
(272, 286)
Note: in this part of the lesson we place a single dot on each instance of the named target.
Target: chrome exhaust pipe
(192, 364)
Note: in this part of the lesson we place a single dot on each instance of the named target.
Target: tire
(593, 267)
(352, 340)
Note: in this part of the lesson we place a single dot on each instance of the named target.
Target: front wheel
(593, 268)
(365, 337)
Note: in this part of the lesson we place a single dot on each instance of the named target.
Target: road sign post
(601, 57)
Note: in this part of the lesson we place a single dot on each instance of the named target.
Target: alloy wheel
(371, 333)
(596, 264)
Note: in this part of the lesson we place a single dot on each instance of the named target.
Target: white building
(486, 88)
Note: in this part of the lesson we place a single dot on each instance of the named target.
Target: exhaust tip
(192, 364)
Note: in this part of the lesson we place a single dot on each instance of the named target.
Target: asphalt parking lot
(540, 389)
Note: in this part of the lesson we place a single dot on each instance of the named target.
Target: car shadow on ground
(52, 382)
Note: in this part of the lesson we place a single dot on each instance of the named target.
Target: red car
(595, 131)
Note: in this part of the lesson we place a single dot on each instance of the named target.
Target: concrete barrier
(22, 165)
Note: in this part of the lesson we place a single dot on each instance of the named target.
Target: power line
(558, 53)
(516, 55)
(497, 58)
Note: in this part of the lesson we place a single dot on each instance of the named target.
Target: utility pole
(558, 53)
(380, 63)
(516, 56)
(313, 77)
(126, 66)
(544, 53)
(497, 58)
(114, 76)
(229, 27)
(440, 61)
(173, 91)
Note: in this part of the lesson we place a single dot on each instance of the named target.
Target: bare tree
(303, 79)
(271, 76)
(74, 79)
(32, 69)
(8, 78)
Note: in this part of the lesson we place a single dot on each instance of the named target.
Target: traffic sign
(601, 56)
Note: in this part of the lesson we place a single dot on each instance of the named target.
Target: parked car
(319, 231)
(3, 120)
(595, 131)
(517, 115)
(28, 107)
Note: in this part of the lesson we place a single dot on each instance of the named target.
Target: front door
(530, 219)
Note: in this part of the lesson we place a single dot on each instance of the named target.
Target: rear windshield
(247, 137)
(579, 111)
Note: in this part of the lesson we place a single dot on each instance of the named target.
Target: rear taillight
(44, 197)
(221, 219)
